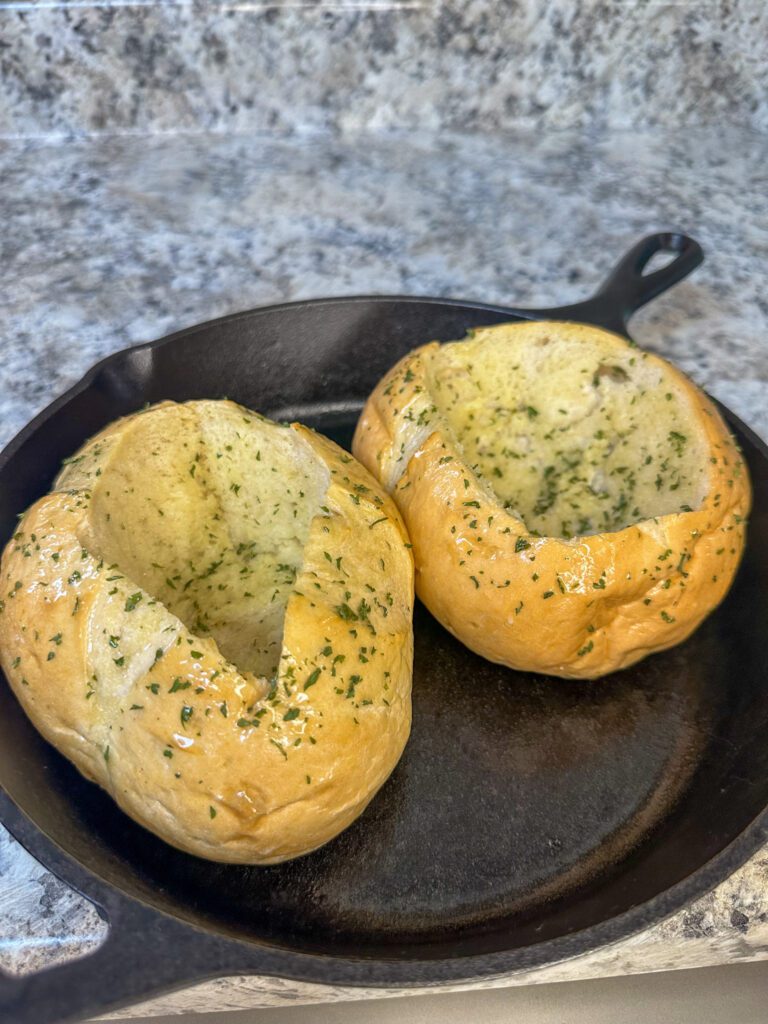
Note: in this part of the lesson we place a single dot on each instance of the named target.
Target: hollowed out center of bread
(208, 508)
(574, 436)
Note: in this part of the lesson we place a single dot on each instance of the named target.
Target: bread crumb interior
(573, 436)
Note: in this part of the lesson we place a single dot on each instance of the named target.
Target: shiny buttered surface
(210, 615)
(574, 503)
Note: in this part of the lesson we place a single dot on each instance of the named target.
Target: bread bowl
(210, 615)
(574, 503)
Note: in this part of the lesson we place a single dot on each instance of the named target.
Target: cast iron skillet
(529, 820)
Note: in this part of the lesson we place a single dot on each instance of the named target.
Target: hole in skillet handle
(627, 287)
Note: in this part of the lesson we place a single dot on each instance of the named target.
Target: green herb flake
(312, 678)
(291, 714)
(345, 612)
(678, 442)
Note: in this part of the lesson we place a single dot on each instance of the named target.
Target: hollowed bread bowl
(210, 615)
(574, 503)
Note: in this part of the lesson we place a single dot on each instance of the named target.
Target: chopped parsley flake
(312, 678)
(345, 612)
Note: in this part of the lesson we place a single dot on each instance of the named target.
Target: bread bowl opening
(208, 508)
(574, 435)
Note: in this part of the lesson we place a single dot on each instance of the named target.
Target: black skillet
(529, 820)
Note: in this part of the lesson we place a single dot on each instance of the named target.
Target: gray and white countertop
(73, 66)
(111, 241)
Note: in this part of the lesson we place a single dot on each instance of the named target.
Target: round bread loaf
(574, 503)
(210, 615)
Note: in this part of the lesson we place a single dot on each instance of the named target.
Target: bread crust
(215, 761)
(578, 608)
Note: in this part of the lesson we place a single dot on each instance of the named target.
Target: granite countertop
(112, 241)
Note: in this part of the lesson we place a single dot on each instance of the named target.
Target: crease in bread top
(213, 527)
(213, 621)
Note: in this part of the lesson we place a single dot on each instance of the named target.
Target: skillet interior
(524, 808)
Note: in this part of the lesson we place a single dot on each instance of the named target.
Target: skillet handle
(145, 953)
(627, 288)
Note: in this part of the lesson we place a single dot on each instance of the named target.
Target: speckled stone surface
(109, 242)
(251, 65)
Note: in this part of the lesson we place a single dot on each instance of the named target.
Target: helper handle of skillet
(147, 952)
(627, 288)
(144, 954)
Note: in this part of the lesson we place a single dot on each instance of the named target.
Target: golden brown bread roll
(210, 615)
(574, 503)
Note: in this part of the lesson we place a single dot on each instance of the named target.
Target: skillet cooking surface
(525, 809)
